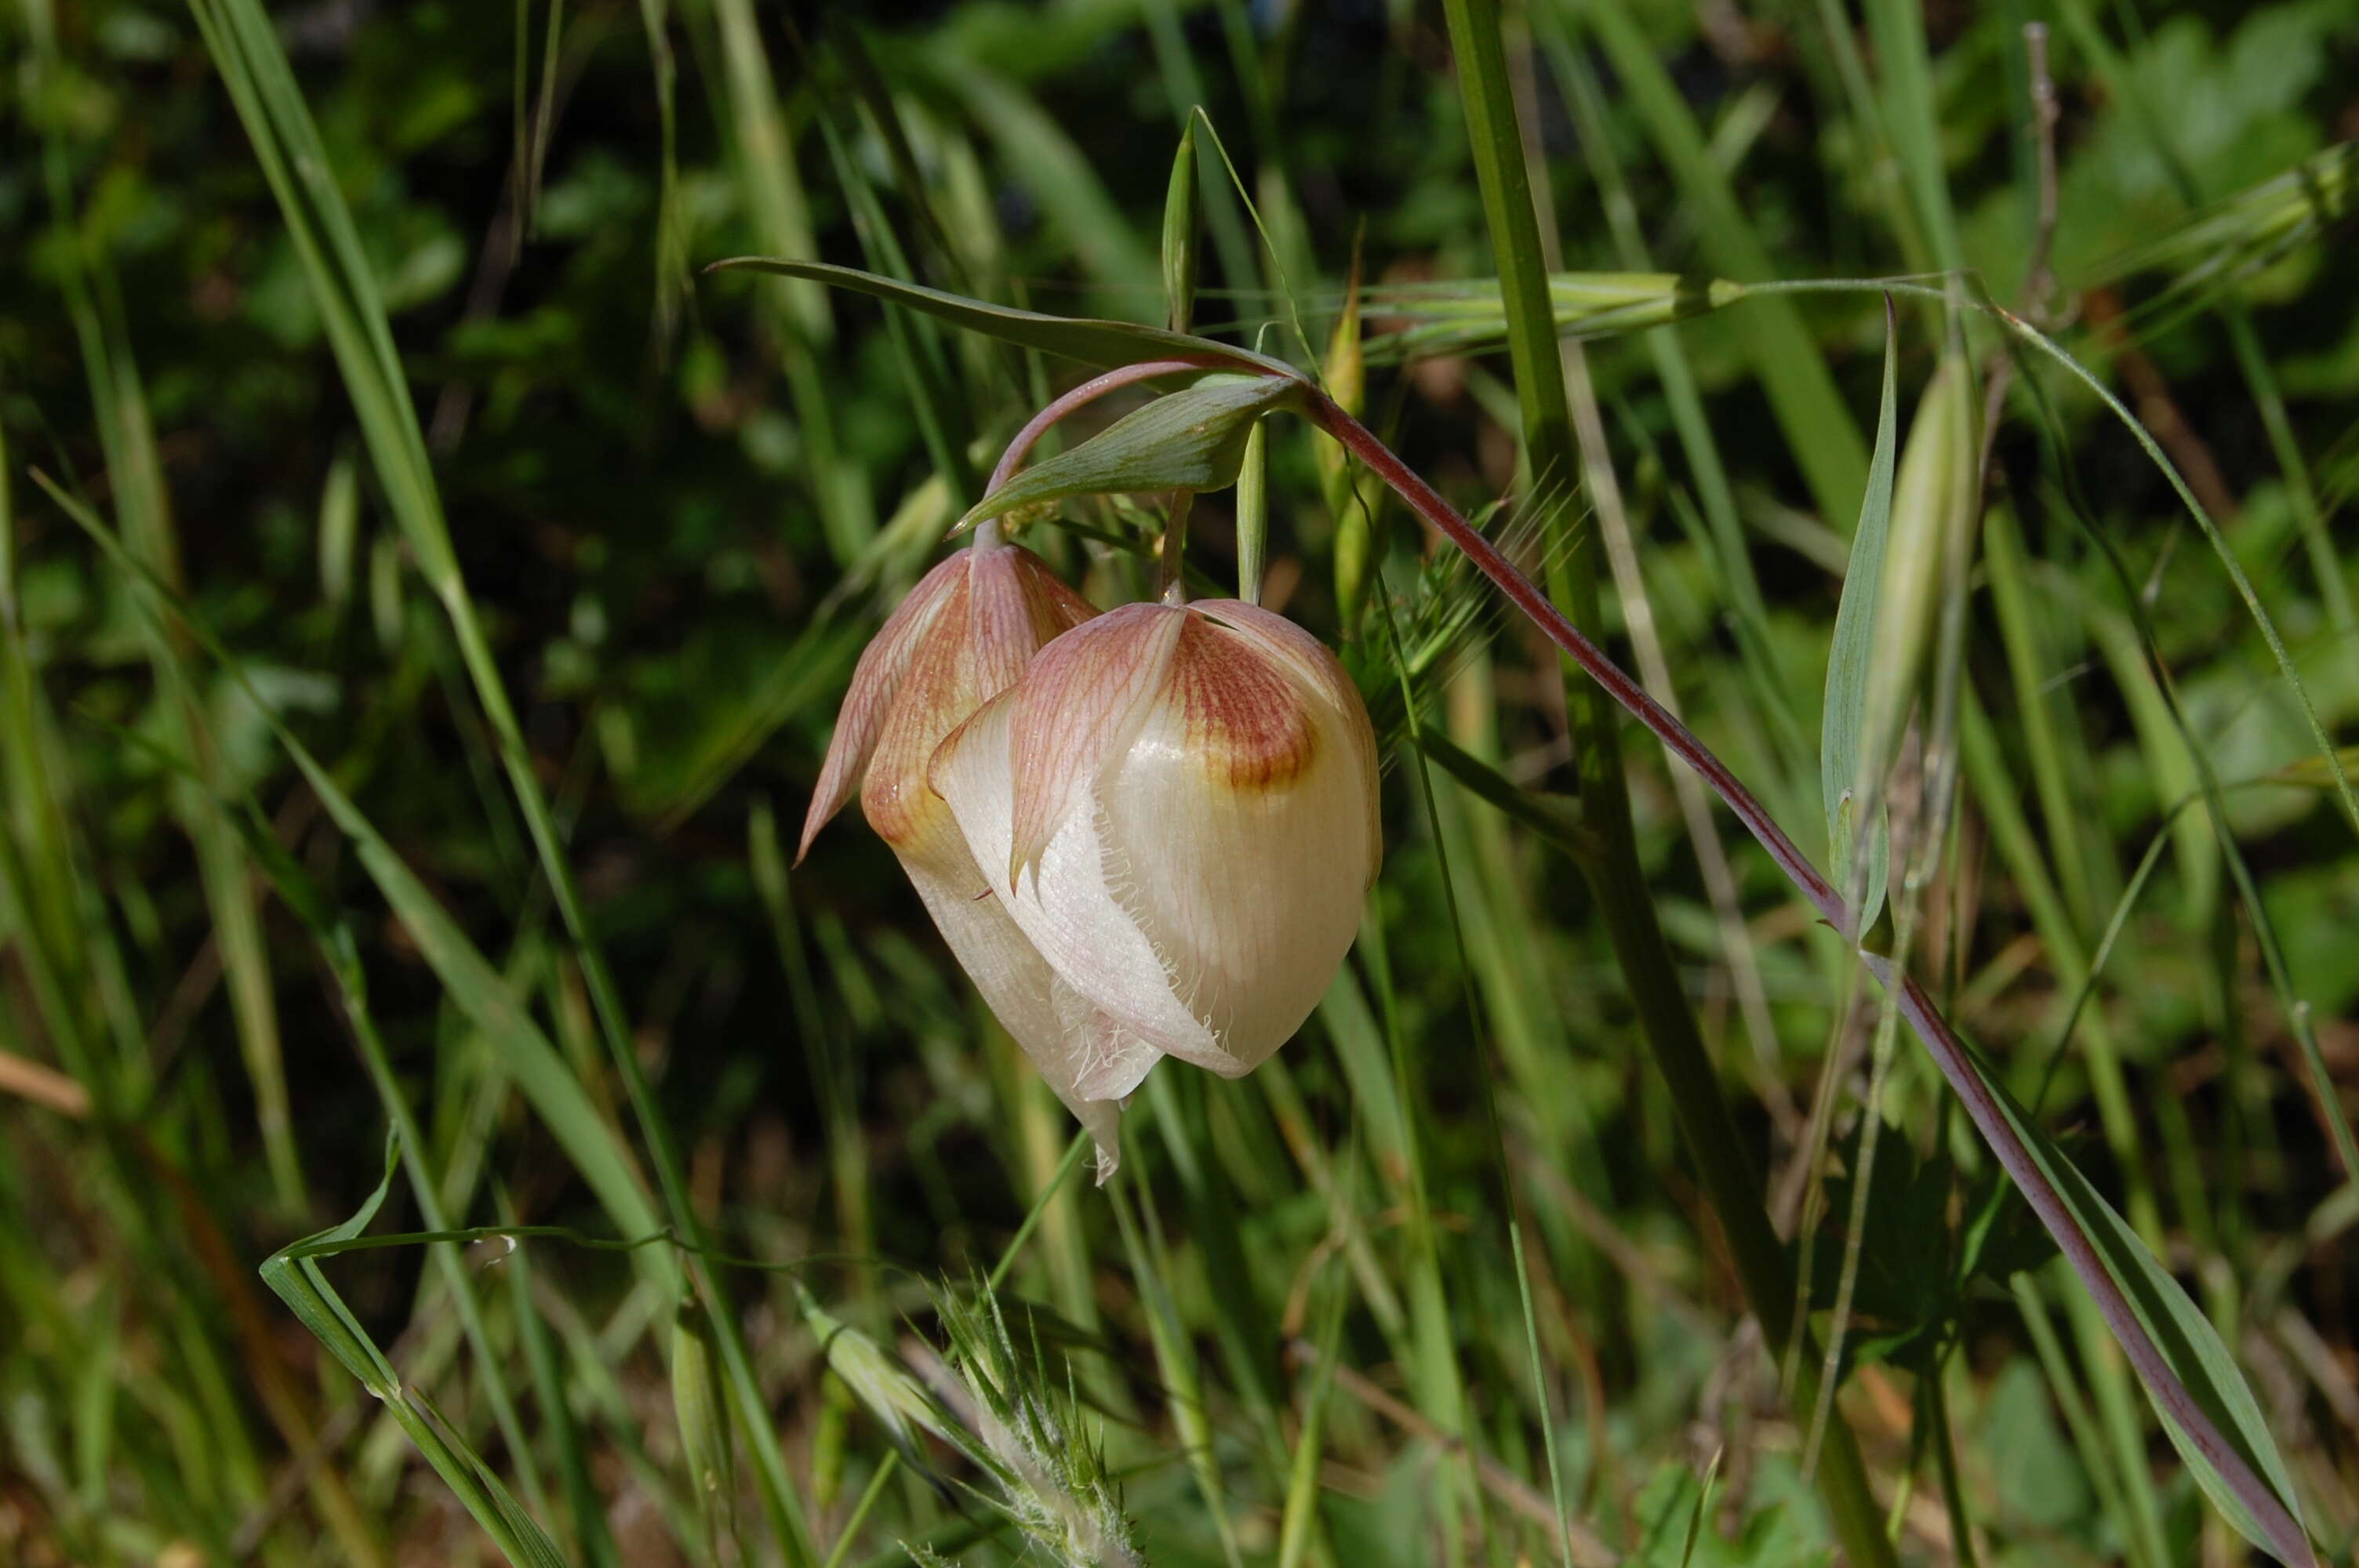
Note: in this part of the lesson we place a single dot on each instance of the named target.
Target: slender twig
(2039, 279)
(43, 1086)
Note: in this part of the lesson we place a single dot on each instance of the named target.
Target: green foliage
(477, 576)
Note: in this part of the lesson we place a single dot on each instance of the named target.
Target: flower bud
(1177, 807)
(963, 636)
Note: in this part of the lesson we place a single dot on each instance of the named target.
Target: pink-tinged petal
(1276, 637)
(1240, 837)
(1016, 604)
(1079, 704)
(1066, 907)
(1324, 676)
(986, 632)
(874, 682)
(936, 696)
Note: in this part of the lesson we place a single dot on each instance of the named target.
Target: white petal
(1080, 700)
(1240, 837)
(1075, 1049)
(1320, 673)
(1065, 906)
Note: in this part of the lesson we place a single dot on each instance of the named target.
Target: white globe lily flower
(1177, 805)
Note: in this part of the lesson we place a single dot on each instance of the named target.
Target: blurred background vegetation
(553, 555)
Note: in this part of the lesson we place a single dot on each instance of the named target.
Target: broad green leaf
(1190, 439)
(1847, 774)
(1096, 343)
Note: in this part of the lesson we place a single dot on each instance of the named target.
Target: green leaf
(1180, 234)
(1846, 777)
(1091, 341)
(474, 987)
(292, 1273)
(2193, 1381)
(1190, 439)
(2193, 1350)
(323, 1311)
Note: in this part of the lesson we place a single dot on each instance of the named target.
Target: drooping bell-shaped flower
(963, 636)
(1177, 805)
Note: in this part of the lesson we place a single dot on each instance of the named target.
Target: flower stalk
(1718, 1160)
(1193, 440)
(1616, 878)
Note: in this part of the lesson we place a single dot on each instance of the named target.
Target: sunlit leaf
(1846, 778)
(1190, 439)
(1096, 343)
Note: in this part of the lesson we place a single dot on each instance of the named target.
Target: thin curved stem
(1090, 391)
(1948, 1053)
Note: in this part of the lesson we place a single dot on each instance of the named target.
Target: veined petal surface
(1076, 708)
(876, 681)
(1066, 907)
(1239, 835)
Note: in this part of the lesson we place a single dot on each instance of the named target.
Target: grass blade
(1094, 342)
(1857, 846)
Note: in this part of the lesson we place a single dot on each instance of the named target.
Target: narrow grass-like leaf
(251, 59)
(473, 986)
(1095, 342)
(1934, 493)
(1616, 878)
(1817, 426)
(1183, 234)
(2006, 570)
(2037, 341)
(135, 471)
(1847, 774)
(2240, 235)
(1470, 317)
(940, 408)
(1175, 1359)
(1040, 154)
(2210, 1415)
(1914, 121)
(298, 1280)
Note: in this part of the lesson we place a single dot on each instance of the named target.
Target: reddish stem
(2286, 1534)
(1097, 387)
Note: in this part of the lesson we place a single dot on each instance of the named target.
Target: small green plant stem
(1993, 1116)
(1616, 878)
(890, 1464)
